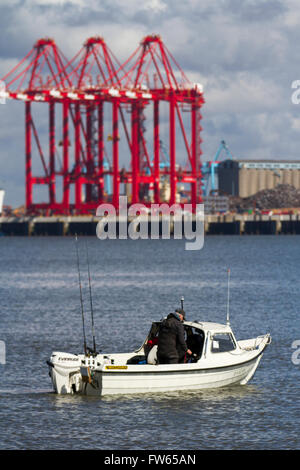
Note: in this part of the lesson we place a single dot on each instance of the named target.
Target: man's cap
(181, 311)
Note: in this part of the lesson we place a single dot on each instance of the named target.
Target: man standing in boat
(172, 347)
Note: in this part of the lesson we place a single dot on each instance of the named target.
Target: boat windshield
(222, 342)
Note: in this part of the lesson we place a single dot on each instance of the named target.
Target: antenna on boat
(80, 290)
(91, 300)
(228, 290)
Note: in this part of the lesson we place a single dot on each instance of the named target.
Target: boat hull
(102, 375)
(134, 380)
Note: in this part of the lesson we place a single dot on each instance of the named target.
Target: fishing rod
(91, 300)
(81, 301)
(228, 289)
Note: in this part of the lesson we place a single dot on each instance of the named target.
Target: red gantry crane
(93, 76)
(35, 80)
(99, 110)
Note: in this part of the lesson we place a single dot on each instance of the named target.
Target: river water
(135, 283)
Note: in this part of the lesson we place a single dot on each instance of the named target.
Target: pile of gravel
(283, 196)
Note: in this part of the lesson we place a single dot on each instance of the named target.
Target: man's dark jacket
(171, 342)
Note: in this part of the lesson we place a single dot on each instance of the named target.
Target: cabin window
(222, 342)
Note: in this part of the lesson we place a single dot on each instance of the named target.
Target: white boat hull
(182, 377)
(130, 379)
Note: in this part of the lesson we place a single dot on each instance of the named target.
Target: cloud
(156, 6)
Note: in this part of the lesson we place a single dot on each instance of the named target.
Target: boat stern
(64, 371)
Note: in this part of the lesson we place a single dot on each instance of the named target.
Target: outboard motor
(64, 370)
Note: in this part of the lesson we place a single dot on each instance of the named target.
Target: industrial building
(244, 178)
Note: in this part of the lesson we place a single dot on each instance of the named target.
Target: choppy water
(134, 283)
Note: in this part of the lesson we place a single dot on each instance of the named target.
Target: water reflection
(183, 397)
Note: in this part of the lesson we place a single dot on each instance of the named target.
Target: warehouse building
(244, 178)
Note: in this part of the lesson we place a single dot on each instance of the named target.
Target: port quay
(224, 224)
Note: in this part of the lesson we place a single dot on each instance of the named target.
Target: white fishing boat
(218, 360)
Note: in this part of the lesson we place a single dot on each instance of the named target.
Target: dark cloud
(255, 10)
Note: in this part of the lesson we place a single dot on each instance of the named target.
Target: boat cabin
(202, 338)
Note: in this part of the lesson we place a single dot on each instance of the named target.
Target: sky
(246, 55)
